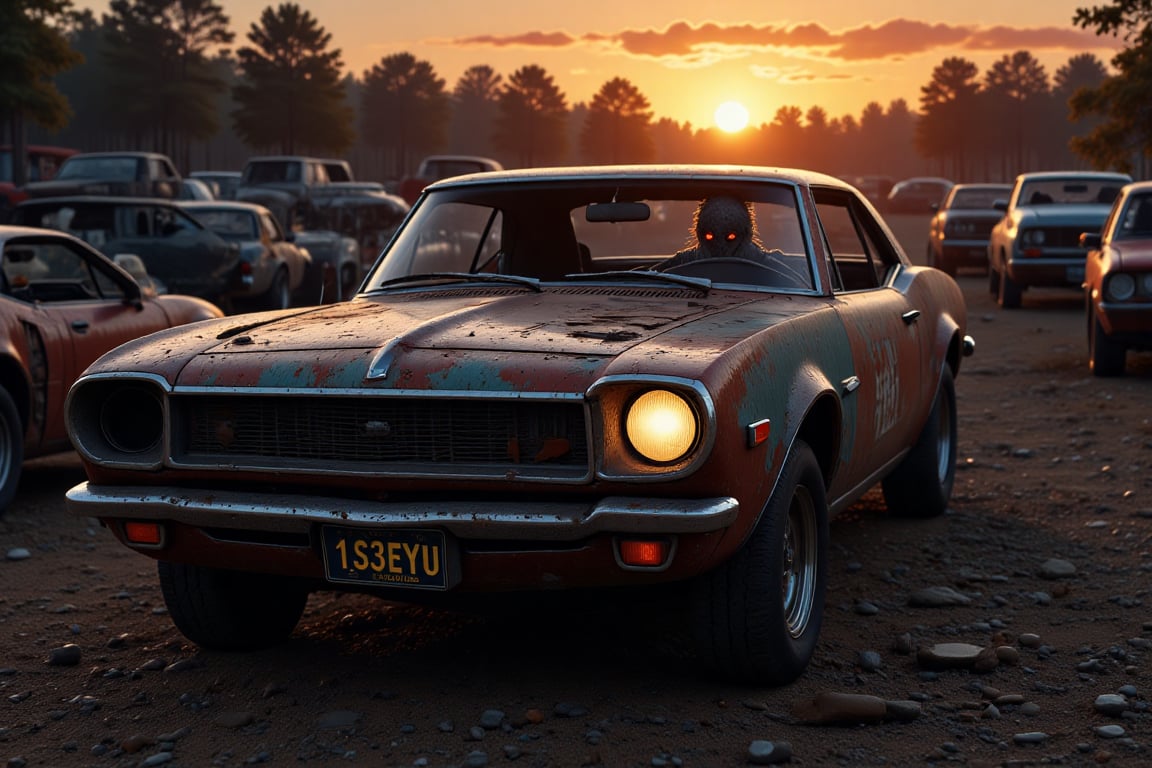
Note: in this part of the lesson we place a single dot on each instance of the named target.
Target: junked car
(959, 230)
(1037, 241)
(177, 249)
(138, 174)
(562, 378)
(62, 305)
(1118, 282)
(272, 265)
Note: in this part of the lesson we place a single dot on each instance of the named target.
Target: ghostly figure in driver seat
(725, 228)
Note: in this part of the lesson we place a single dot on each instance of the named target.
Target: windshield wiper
(467, 277)
(701, 283)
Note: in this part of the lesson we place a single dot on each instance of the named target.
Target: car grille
(382, 435)
(1062, 237)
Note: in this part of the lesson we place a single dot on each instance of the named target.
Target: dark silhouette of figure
(725, 228)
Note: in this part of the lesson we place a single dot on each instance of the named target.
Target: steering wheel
(731, 269)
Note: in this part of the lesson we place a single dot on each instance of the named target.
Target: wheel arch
(820, 429)
(14, 379)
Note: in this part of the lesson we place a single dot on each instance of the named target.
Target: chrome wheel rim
(800, 562)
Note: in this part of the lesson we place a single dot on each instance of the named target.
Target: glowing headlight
(1121, 287)
(661, 426)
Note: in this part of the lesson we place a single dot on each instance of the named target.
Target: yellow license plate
(413, 559)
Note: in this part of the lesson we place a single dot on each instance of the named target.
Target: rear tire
(921, 485)
(11, 450)
(1106, 356)
(230, 610)
(757, 616)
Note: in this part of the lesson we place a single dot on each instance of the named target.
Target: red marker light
(147, 534)
(647, 554)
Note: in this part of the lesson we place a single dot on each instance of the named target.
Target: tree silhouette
(1123, 102)
(615, 129)
(405, 110)
(33, 51)
(948, 103)
(530, 123)
(291, 96)
(159, 71)
(1016, 84)
(474, 105)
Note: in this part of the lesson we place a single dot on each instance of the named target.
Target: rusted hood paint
(513, 340)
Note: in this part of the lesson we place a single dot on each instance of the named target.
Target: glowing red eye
(708, 235)
(731, 236)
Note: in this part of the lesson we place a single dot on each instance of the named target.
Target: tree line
(162, 75)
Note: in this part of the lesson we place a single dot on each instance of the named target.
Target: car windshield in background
(111, 168)
(230, 224)
(1136, 220)
(266, 172)
(978, 199)
(1069, 192)
(550, 232)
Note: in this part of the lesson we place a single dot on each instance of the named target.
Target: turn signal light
(144, 534)
(646, 554)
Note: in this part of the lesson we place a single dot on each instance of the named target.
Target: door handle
(910, 316)
(80, 326)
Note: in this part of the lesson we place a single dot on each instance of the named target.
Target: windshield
(554, 231)
(1070, 191)
(236, 225)
(111, 168)
(978, 198)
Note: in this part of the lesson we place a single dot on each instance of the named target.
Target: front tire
(230, 610)
(1106, 356)
(279, 296)
(921, 485)
(11, 449)
(1010, 292)
(757, 616)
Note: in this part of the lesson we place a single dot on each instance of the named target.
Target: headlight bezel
(94, 404)
(610, 399)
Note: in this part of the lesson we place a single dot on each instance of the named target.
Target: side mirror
(1090, 240)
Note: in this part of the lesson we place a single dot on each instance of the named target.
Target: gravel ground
(1010, 631)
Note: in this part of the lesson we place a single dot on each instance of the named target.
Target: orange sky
(838, 54)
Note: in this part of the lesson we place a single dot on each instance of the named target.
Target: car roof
(1073, 174)
(232, 205)
(670, 172)
(106, 199)
(19, 230)
(119, 154)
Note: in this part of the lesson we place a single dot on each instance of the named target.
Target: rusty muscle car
(567, 378)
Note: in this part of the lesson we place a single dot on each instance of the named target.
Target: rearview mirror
(617, 212)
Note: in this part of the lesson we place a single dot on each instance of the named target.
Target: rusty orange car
(1118, 282)
(62, 305)
(563, 378)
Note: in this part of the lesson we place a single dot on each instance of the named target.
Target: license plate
(1075, 274)
(412, 559)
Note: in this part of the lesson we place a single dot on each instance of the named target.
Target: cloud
(683, 44)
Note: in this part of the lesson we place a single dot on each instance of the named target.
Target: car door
(77, 303)
(884, 335)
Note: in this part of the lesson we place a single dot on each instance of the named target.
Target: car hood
(1064, 214)
(1134, 255)
(495, 339)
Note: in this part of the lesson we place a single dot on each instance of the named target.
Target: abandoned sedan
(552, 379)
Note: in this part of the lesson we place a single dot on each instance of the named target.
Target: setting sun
(731, 116)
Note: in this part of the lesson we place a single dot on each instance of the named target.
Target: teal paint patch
(817, 341)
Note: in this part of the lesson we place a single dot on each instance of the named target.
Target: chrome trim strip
(530, 520)
(433, 394)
